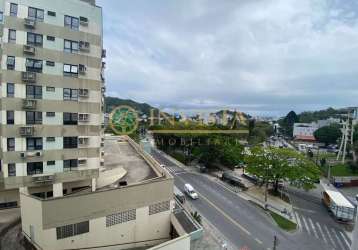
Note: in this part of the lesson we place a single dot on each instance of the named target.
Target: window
(51, 13)
(51, 163)
(33, 65)
(83, 141)
(34, 39)
(11, 169)
(50, 89)
(72, 230)
(50, 63)
(70, 118)
(70, 70)
(159, 207)
(10, 90)
(10, 144)
(34, 168)
(12, 36)
(51, 38)
(50, 139)
(34, 143)
(71, 46)
(69, 165)
(70, 142)
(36, 14)
(10, 117)
(70, 94)
(72, 22)
(121, 217)
(1, 16)
(13, 9)
(82, 162)
(33, 92)
(10, 62)
(83, 117)
(33, 117)
(50, 114)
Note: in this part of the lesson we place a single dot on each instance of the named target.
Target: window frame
(10, 144)
(36, 17)
(74, 46)
(73, 118)
(36, 118)
(38, 39)
(70, 94)
(9, 38)
(10, 66)
(70, 22)
(36, 92)
(36, 166)
(13, 12)
(10, 94)
(8, 120)
(34, 143)
(70, 142)
(36, 65)
(11, 166)
(70, 71)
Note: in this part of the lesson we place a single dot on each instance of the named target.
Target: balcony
(26, 131)
(29, 50)
(43, 178)
(28, 77)
(29, 23)
(29, 104)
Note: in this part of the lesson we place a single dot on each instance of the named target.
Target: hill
(142, 108)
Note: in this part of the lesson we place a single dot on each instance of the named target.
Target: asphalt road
(243, 223)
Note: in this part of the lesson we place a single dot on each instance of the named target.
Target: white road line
(298, 220)
(329, 236)
(322, 233)
(258, 241)
(313, 228)
(306, 225)
(335, 233)
(344, 236)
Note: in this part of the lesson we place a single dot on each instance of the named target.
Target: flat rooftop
(120, 153)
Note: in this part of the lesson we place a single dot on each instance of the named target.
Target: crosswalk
(332, 236)
(175, 170)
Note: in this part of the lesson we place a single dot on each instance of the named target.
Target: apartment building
(52, 87)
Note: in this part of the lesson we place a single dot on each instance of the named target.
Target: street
(246, 225)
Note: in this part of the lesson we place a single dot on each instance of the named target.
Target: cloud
(260, 56)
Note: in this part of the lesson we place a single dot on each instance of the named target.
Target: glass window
(36, 14)
(50, 114)
(11, 169)
(34, 39)
(70, 164)
(10, 117)
(1, 16)
(34, 143)
(50, 63)
(70, 94)
(70, 70)
(12, 36)
(51, 13)
(10, 144)
(34, 168)
(72, 22)
(10, 62)
(33, 65)
(33, 117)
(51, 38)
(13, 9)
(70, 142)
(71, 46)
(50, 89)
(51, 163)
(33, 92)
(10, 90)
(70, 118)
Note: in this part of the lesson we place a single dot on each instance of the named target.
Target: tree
(273, 165)
(196, 216)
(288, 122)
(328, 134)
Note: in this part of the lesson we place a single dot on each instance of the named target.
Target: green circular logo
(123, 120)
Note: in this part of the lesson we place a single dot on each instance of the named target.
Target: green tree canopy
(328, 134)
(282, 164)
(287, 123)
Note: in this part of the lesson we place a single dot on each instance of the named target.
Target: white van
(189, 190)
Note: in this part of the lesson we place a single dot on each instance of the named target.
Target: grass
(283, 223)
(340, 170)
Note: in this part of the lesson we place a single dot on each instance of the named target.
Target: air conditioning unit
(30, 23)
(29, 104)
(83, 117)
(29, 50)
(29, 77)
(82, 69)
(42, 178)
(83, 92)
(82, 162)
(84, 46)
(26, 131)
(83, 21)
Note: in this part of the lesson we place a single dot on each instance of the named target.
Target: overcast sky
(259, 56)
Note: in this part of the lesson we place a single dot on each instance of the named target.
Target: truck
(338, 205)
(189, 190)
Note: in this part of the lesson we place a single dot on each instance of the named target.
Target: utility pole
(275, 242)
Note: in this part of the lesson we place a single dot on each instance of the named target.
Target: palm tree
(196, 216)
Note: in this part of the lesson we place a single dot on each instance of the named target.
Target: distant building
(305, 131)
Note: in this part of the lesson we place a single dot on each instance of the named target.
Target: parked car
(189, 190)
(179, 195)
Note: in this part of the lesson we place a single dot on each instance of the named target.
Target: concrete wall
(180, 243)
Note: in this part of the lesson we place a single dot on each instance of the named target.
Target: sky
(264, 57)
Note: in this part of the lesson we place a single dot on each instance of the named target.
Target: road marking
(320, 229)
(258, 241)
(329, 235)
(335, 233)
(313, 227)
(298, 220)
(306, 225)
(345, 238)
(222, 212)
